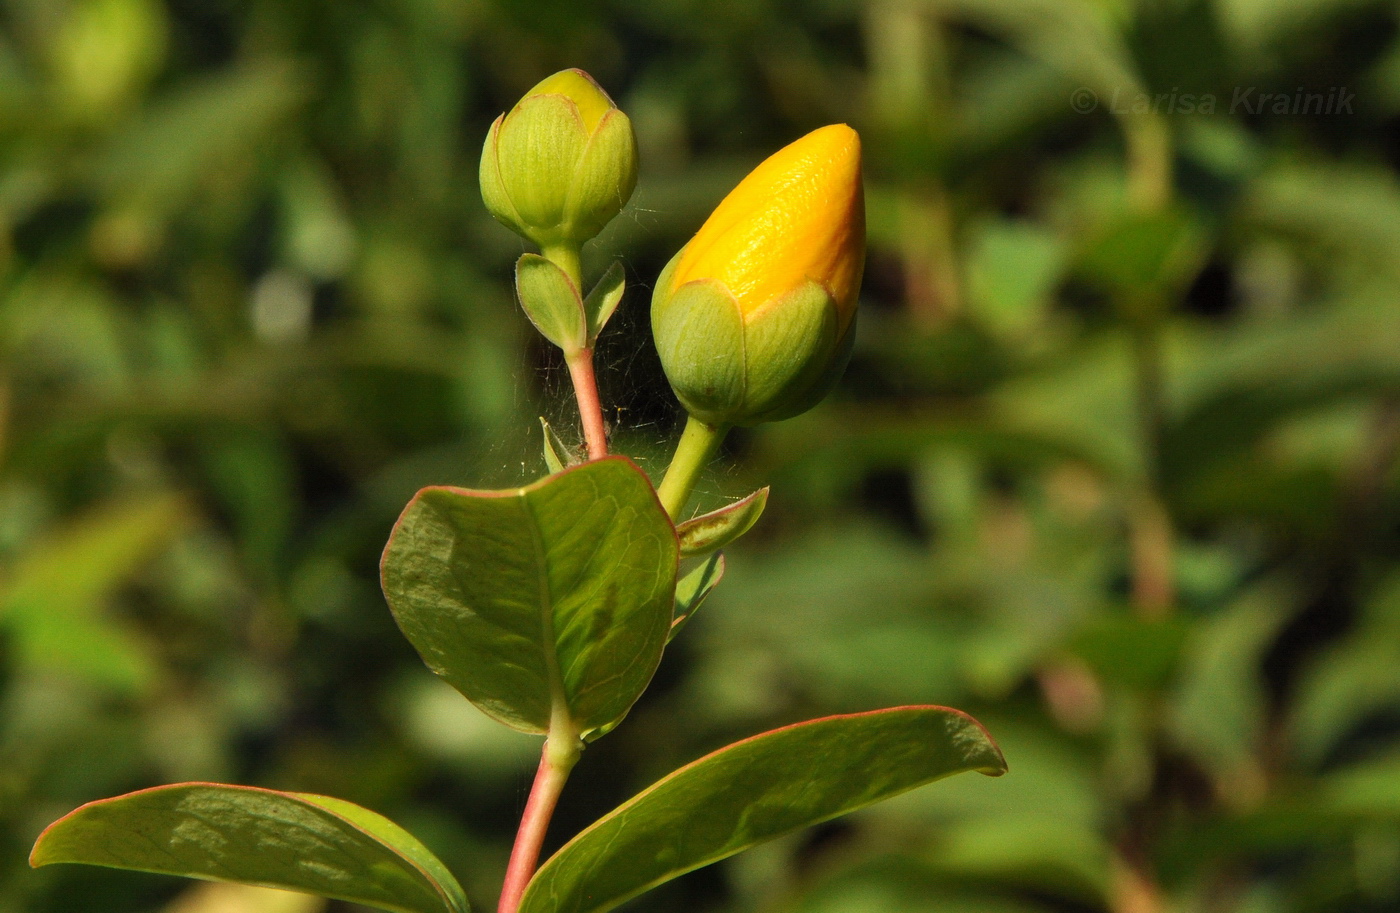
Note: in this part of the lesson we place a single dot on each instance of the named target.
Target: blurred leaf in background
(1114, 465)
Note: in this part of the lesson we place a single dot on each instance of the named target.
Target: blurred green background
(1113, 468)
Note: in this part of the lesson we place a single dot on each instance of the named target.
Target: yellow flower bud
(561, 164)
(754, 317)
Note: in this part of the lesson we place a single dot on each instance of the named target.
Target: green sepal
(493, 188)
(551, 301)
(538, 148)
(822, 384)
(600, 304)
(561, 592)
(791, 344)
(692, 589)
(753, 791)
(699, 335)
(293, 841)
(604, 178)
(716, 529)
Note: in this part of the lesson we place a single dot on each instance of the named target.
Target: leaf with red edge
(294, 841)
(755, 790)
(713, 531)
(539, 603)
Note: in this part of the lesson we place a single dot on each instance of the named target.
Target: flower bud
(754, 318)
(559, 165)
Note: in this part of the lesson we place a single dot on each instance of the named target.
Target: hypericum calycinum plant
(549, 606)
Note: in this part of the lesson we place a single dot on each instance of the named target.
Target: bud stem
(590, 407)
(566, 257)
(698, 445)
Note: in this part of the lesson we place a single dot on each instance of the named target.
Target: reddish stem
(590, 409)
(539, 808)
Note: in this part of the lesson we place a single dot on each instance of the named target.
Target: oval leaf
(692, 589)
(551, 301)
(293, 841)
(755, 790)
(560, 591)
(716, 529)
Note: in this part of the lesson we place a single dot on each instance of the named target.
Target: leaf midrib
(558, 697)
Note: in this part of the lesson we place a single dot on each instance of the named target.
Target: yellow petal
(798, 216)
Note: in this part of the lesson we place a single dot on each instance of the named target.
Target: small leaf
(552, 448)
(716, 529)
(692, 589)
(562, 590)
(1131, 652)
(293, 841)
(1141, 255)
(604, 299)
(163, 158)
(755, 790)
(551, 301)
(52, 597)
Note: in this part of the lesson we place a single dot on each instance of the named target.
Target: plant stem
(1154, 589)
(1136, 887)
(557, 759)
(698, 445)
(1149, 143)
(567, 258)
(590, 408)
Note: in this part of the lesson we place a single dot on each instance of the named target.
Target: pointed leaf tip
(557, 456)
(755, 790)
(716, 529)
(604, 299)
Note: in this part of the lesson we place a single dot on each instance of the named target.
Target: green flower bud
(559, 165)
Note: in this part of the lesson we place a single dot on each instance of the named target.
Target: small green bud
(559, 165)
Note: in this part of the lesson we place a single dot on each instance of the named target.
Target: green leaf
(1013, 269)
(553, 447)
(1076, 37)
(187, 138)
(294, 841)
(1130, 651)
(598, 307)
(692, 589)
(1138, 255)
(755, 790)
(716, 529)
(52, 599)
(551, 301)
(560, 592)
(1351, 681)
(1216, 708)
